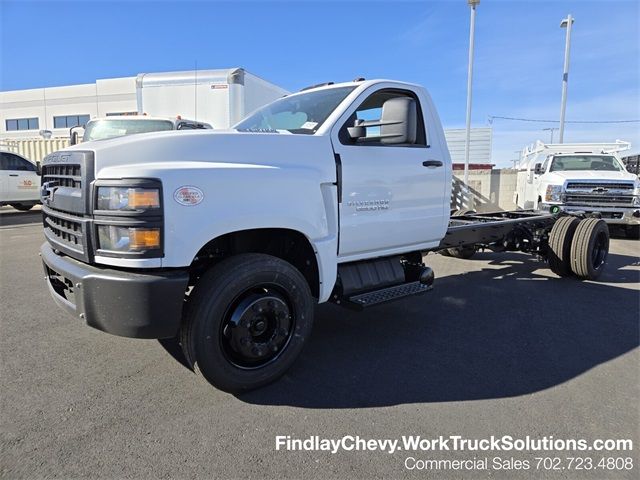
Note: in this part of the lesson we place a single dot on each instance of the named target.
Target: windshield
(98, 129)
(303, 113)
(568, 163)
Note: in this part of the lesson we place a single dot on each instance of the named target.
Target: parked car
(19, 181)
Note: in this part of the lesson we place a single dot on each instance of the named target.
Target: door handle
(13, 175)
(432, 163)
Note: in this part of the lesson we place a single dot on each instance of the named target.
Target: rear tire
(560, 240)
(589, 248)
(465, 252)
(246, 321)
(23, 207)
(633, 232)
(462, 252)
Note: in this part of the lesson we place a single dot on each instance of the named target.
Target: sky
(519, 53)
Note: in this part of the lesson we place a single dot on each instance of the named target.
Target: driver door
(393, 195)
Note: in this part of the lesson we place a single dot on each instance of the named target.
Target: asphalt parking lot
(500, 346)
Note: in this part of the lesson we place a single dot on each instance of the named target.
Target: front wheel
(246, 321)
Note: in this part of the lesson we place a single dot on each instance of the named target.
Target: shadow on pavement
(12, 218)
(500, 332)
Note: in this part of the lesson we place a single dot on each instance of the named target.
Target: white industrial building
(25, 113)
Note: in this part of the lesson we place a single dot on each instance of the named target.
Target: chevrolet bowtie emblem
(47, 190)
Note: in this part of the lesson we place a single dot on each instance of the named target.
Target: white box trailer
(218, 97)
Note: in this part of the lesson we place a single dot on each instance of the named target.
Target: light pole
(473, 4)
(566, 23)
(550, 129)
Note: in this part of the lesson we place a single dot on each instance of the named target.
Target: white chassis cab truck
(580, 177)
(227, 239)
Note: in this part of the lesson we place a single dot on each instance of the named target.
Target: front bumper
(124, 303)
(611, 215)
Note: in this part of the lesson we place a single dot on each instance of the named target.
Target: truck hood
(561, 177)
(134, 155)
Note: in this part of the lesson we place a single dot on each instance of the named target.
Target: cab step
(376, 297)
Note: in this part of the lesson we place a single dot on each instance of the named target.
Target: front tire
(246, 321)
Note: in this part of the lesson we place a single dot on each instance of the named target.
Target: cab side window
(371, 110)
(10, 161)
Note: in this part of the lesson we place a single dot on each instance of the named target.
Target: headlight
(553, 193)
(127, 198)
(128, 239)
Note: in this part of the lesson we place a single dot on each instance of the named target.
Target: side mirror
(398, 123)
(538, 169)
(358, 130)
(39, 168)
(74, 138)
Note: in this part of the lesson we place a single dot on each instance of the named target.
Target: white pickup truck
(120, 125)
(228, 238)
(580, 177)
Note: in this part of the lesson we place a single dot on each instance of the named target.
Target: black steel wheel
(590, 248)
(560, 239)
(256, 328)
(246, 321)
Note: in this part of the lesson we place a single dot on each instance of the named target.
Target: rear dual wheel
(590, 248)
(560, 240)
(578, 247)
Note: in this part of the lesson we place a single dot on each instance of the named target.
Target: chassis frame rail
(505, 228)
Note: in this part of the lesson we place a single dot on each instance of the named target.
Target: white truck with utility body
(19, 181)
(228, 239)
(587, 178)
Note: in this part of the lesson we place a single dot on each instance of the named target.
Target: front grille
(599, 200)
(67, 233)
(63, 175)
(595, 185)
(65, 230)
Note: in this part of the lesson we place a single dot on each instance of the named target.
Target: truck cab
(119, 125)
(580, 177)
